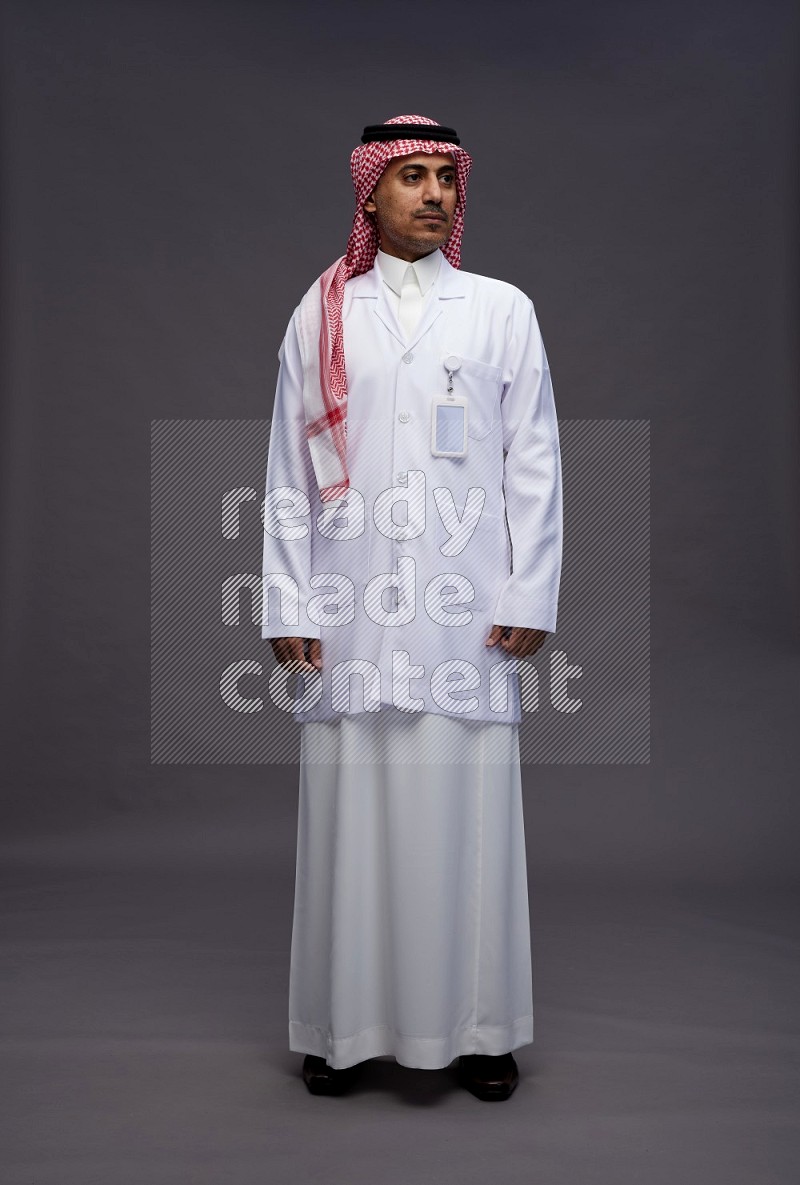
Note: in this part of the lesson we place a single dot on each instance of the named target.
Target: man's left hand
(516, 640)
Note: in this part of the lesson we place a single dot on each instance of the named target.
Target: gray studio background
(174, 176)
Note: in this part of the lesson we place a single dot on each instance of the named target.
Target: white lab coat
(409, 653)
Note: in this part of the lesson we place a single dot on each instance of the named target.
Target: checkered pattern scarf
(320, 311)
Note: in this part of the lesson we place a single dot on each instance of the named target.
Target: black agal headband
(409, 131)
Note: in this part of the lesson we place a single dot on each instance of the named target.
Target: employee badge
(449, 417)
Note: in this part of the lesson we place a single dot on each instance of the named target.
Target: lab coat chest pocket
(481, 383)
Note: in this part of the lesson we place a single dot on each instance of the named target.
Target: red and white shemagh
(320, 312)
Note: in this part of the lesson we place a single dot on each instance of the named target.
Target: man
(413, 530)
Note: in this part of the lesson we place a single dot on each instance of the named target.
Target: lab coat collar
(450, 285)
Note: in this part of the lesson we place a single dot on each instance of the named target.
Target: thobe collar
(393, 270)
(449, 282)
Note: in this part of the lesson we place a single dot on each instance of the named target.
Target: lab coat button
(408, 358)
(404, 417)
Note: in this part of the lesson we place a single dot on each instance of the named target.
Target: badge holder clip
(449, 417)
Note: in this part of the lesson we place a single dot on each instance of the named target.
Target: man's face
(413, 203)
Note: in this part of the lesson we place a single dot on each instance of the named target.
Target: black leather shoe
(320, 1078)
(488, 1078)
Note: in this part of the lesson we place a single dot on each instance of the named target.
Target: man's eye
(448, 178)
(412, 176)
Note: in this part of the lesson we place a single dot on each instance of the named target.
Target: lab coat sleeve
(290, 505)
(532, 479)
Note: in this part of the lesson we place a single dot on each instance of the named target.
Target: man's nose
(433, 191)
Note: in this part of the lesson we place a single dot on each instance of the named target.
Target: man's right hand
(290, 653)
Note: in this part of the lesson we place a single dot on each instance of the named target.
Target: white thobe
(411, 929)
(411, 932)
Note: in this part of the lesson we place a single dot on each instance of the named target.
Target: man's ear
(369, 204)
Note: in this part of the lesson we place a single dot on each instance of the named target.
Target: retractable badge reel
(449, 417)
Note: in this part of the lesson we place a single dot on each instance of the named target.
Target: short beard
(420, 246)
